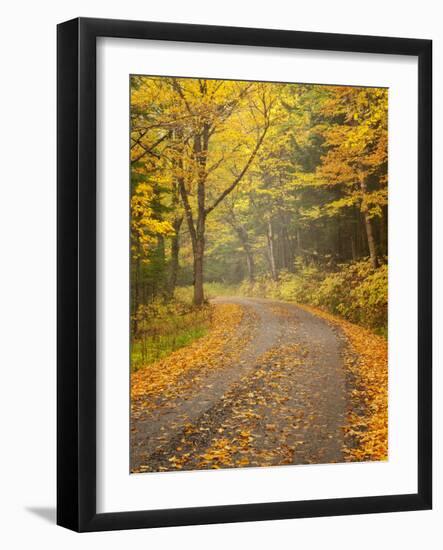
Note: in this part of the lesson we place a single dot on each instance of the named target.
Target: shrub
(355, 291)
(358, 293)
(370, 300)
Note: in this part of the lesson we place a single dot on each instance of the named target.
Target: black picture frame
(77, 248)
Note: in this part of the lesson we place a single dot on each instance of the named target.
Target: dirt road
(280, 400)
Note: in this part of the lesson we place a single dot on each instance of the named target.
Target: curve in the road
(319, 385)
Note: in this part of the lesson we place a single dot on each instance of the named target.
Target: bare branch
(149, 150)
(176, 86)
(242, 173)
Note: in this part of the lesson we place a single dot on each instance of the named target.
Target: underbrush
(355, 291)
(163, 328)
(211, 290)
(220, 289)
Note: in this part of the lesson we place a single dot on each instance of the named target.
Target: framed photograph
(244, 274)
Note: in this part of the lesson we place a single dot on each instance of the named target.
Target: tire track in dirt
(164, 423)
(306, 428)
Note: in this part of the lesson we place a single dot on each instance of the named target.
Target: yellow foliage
(144, 226)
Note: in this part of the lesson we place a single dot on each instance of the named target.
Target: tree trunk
(136, 295)
(198, 271)
(300, 251)
(271, 253)
(278, 251)
(288, 259)
(204, 128)
(368, 225)
(176, 136)
(244, 239)
(384, 232)
(353, 250)
(175, 249)
(371, 240)
(250, 264)
(201, 142)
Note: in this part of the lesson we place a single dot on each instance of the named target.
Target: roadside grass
(167, 328)
(167, 331)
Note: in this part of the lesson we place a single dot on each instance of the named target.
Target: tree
(258, 179)
(357, 153)
(215, 130)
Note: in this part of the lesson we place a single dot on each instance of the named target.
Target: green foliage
(163, 327)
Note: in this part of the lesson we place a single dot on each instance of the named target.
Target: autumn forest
(259, 252)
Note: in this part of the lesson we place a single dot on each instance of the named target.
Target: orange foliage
(161, 377)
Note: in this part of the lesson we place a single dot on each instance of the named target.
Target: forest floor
(269, 385)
